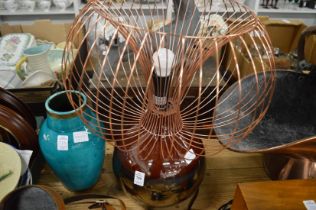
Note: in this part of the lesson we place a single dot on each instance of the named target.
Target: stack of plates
(12, 47)
(11, 51)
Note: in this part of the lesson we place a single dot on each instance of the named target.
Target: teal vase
(71, 150)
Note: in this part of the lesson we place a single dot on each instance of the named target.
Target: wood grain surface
(224, 170)
(274, 195)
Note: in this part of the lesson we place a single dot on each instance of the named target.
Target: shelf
(306, 14)
(214, 9)
(131, 5)
(53, 11)
(289, 11)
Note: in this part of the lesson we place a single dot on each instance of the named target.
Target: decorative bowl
(10, 100)
(23, 133)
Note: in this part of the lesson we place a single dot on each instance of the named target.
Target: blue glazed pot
(74, 154)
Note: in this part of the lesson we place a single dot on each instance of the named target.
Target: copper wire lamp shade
(156, 75)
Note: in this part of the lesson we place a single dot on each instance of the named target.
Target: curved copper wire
(121, 90)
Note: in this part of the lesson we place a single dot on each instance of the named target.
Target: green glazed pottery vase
(72, 151)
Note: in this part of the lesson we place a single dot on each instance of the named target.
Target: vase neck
(66, 124)
(63, 109)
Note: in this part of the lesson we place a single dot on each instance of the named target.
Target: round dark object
(11, 101)
(19, 128)
(32, 197)
(289, 118)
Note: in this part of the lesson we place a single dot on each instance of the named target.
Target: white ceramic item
(62, 4)
(55, 60)
(10, 169)
(12, 47)
(55, 57)
(36, 58)
(9, 79)
(44, 5)
(29, 5)
(37, 78)
(26, 176)
(11, 5)
(2, 7)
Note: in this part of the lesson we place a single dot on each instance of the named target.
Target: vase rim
(70, 113)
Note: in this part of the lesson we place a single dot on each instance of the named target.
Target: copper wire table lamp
(155, 84)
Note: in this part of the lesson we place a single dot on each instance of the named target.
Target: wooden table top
(223, 171)
(276, 195)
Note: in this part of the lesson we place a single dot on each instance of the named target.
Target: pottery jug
(74, 154)
(34, 59)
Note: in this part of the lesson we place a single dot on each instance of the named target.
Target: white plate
(9, 79)
(12, 47)
(9, 162)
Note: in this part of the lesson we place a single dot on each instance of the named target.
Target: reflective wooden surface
(276, 195)
(223, 172)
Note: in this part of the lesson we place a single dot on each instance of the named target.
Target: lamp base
(184, 205)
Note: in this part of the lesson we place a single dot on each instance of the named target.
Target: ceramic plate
(9, 79)
(10, 162)
(12, 46)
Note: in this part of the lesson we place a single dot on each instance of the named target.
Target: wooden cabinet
(275, 195)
